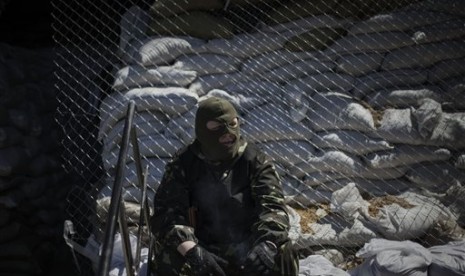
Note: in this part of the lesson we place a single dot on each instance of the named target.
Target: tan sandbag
(316, 39)
(197, 24)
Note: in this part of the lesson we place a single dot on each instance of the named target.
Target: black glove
(260, 259)
(203, 262)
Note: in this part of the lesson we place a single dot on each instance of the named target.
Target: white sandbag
(170, 100)
(267, 61)
(271, 123)
(423, 55)
(242, 103)
(182, 127)
(338, 111)
(436, 177)
(249, 44)
(297, 70)
(370, 186)
(359, 64)
(287, 152)
(349, 141)
(133, 26)
(206, 64)
(138, 76)
(325, 82)
(373, 42)
(161, 50)
(348, 202)
(314, 265)
(404, 155)
(401, 98)
(385, 79)
(147, 123)
(341, 162)
(206, 83)
(401, 223)
(386, 258)
(446, 69)
(396, 126)
(308, 23)
(449, 131)
(398, 21)
(448, 259)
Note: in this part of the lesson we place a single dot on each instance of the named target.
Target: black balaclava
(222, 111)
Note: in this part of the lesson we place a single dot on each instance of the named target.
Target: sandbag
(325, 82)
(137, 76)
(275, 59)
(375, 81)
(349, 141)
(319, 265)
(243, 101)
(298, 9)
(402, 98)
(296, 70)
(396, 126)
(206, 64)
(287, 152)
(167, 8)
(9, 136)
(262, 91)
(133, 26)
(205, 83)
(306, 23)
(338, 111)
(460, 162)
(384, 258)
(348, 202)
(313, 40)
(130, 194)
(15, 158)
(404, 155)
(448, 259)
(435, 177)
(446, 69)
(359, 64)
(372, 187)
(448, 30)
(447, 6)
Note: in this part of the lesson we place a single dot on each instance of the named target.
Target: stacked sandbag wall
(355, 98)
(33, 185)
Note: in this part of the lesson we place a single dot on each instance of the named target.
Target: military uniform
(225, 206)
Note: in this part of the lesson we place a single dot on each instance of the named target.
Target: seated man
(219, 209)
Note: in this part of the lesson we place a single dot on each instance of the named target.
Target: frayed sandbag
(308, 23)
(359, 64)
(133, 26)
(137, 76)
(446, 69)
(349, 141)
(398, 21)
(314, 265)
(372, 187)
(197, 24)
(297, 9)
(205, 83)
(411, 220)
(247, 45)
(348, 202)
(403, 155)
(160, 50)
(397, 126)
(170, 100)
(448, 259)
(271, 123)
(326, 161)
(386, 258)
(435, 177)
(146, 123)
(375, 42)
(313, 40)
(423, 55)
(325, 82)
(275, 59)
(287, 152)
(206, 64)
(402, 98)
(338, 111)
(375, 81)
(297, 69)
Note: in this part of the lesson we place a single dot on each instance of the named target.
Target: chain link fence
(360, 104)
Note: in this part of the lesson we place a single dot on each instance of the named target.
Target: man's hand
(260, 259)
(204, 263)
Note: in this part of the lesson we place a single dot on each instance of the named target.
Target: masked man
(219, 209)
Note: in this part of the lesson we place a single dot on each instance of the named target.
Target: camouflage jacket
(262, 193)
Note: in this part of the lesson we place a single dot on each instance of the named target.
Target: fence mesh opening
(360, 104)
